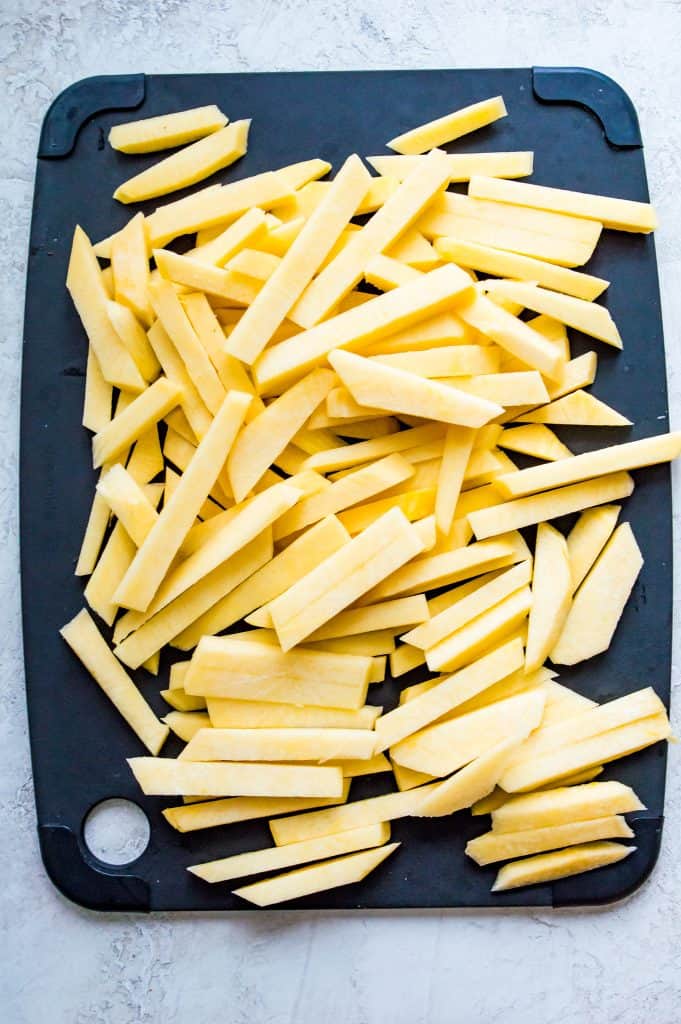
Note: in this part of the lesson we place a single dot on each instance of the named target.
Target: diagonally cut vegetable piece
(457, 450)
(129, 425)
(276, 857)
(295, 561)
(249, 714)
(189, 165)
(619, 214)
(517, 682)
(498, 797)
(445, 361)
(299, 174)
(600, 600)
(546, 245)
(386, 387)
(443, 329)
(181, 701)
(328, 874)
(490, 847)
(363, 325)
(551, 595)
(128, 502)
(351, 489)
(130, 267)
(398, 213)
(631, 455)
(344, 576)
(243, 670)
(173, 317)
(536, 440)
(386, 615)
(153, 559)
(301, 262)
(171, 777)
(462, 166)
(563, 703)
(211, 813)
(231, 372)
(563, 805)
(414, 249)
(98, 398)
(446, 568)
(161, 628)
(96, 527)
(511, 334)
(89, 646)
(408, 718)
(146, 460)
(451, 126)
(116, 556)
(248, 229)
(175, 370)
(577, 409)
(366, 451)
(185, 724)
(524, 268)
(474, 637)
(511, 388)
(385, 273)
(289, 744)
(415, 504)
(235, 529)
(358, 814)
(262, 440)
(443, 747)
(134, 337)
(537, 508)
(84, 282)
(468, 608)
(549, 867)
(470, 784)
(587, 539)
(223, 284)
(211, 206)
(551, 766)
(557, 225)
(167, 130)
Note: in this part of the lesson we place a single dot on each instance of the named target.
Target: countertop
(70, 966)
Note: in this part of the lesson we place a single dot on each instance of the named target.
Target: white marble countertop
(67, 965)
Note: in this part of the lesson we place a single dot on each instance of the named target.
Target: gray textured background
(63, 964)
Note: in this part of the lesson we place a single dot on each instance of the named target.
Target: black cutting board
(584, 132)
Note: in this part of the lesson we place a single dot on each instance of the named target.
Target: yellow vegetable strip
(272, 579)
(125, 428)
(276, 857)
(620, 214)
(386, 225)
(191, 164)
(344, 576)
(301, 262)
(89, 646)
(166, 130)
(515, 515)
(615, 458)
(153, 559)
(451, 126)
(172, 777)
(382, 315)
(84, 282)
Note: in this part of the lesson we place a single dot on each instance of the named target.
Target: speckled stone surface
(69, 966)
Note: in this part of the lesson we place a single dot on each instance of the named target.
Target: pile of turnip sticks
(278, 443)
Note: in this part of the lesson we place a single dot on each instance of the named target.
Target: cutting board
(584, 132)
